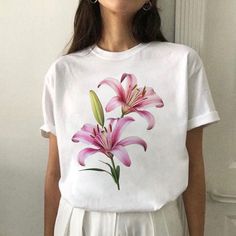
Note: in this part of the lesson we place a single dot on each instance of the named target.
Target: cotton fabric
(73, 221)
(176, 99)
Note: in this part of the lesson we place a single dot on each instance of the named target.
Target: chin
(121, 6)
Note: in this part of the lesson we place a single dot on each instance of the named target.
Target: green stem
(113, 164)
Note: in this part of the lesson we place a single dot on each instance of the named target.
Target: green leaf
(114, 178)
(114, 174)
(107, 164)
(118, 171)
(93, 169)
(112, 171)
(96, 169)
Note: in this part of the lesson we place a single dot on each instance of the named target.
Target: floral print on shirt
(106, 139)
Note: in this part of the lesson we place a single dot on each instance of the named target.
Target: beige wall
(210, 29)
(167, 12)
(33, 34)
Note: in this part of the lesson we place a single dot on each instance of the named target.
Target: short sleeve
(201, 107)
(48, 106)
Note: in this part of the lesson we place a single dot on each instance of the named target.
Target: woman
(124, 112)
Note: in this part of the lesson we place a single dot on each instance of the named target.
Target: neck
(116, 31)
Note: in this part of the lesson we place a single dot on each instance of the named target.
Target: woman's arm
(194, 195)
(51, 190)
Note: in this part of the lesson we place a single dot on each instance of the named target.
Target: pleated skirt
(170, 220)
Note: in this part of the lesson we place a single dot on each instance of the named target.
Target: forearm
(194, 199)
(51, 201)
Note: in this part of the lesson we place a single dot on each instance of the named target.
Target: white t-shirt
(163, 91)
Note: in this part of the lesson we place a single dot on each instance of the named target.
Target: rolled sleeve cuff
(204, 119)
(45, 129)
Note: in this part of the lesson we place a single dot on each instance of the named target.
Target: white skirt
(170, 220)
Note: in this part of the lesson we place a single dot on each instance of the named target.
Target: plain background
(32, 35)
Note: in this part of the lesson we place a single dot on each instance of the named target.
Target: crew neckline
(112, 55)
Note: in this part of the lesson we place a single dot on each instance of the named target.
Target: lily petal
(133, 140)
(131, 82)
(113, 103)
(120, 125)
(84, 153)
(84, 137)
(121, 153)
(88, 127)
(112, 120)
(150, 91)
(115, 85)
(148, 116)
(150, 101)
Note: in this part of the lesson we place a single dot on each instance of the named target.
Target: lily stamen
(144, 91)
(94, 131)
(134, 87)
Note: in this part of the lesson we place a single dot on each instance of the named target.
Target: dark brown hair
(146, 25)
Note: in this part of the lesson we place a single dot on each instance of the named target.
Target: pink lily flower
(131, 98)
(107, 140)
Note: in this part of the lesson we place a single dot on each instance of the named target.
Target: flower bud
(97, 107)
